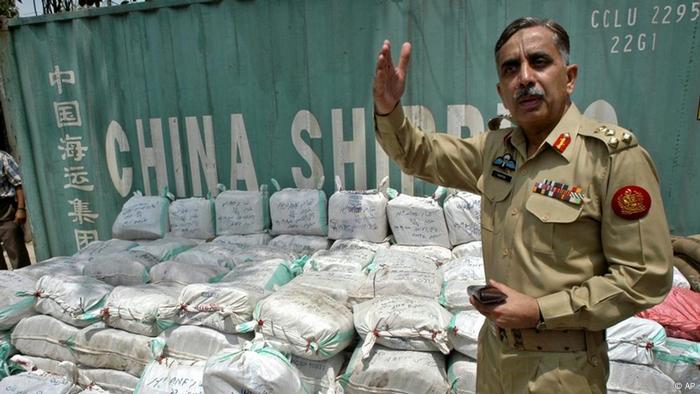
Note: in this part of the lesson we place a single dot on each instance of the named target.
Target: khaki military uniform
(550, 230)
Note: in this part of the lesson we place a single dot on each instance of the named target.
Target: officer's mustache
(528, 91)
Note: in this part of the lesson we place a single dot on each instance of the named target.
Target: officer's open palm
(390, 81)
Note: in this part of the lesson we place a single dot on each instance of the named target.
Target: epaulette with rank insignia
(615, 138)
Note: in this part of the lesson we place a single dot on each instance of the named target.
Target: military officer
(573, 226)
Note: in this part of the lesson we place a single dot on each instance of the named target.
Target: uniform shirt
(587, 266)
(11, 177)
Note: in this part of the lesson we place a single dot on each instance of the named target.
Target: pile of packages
(289, 293)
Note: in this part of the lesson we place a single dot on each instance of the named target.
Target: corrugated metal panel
(171, 93)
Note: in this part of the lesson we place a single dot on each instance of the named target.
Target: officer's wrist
(21, 209)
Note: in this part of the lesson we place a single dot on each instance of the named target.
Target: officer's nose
(526, 76)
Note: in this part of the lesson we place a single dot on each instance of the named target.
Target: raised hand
(390, 81)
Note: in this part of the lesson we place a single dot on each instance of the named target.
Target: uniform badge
(560, 191)
(562, 142)
(506, 161)
(631, 202)
(501, 176)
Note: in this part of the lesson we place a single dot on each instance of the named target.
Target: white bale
(243, 241)
(71, 299)
(354, 244)
(417, 221)
(463, 217)
(304, 323)
(142, 217)
(461, 373)
(55, 265)
(122, 269)
(221, 306)
(269, 274)
(186, 273)
(472, 249)
(16, 298)
(98, 346)
(395, 371)
(144, 309)
(358, 215)
(464, 331)
(111, 380)
(242, 212)
(45, 336)
(319, 376)
(95, 249)
(300, 244)
(6, 351)
(468, 267)
(349, 260)
(38, 382)
(628, 378)
(633, 339)
(336, 284)
(679, 280)
(210, 254)
(438, 254)
(169, 376)
(454, 295)
(397, 259)
(192, 218)
(299, 212)
(66, 369)
(404, 323)
(199, 343)
(167, 248)
(680, 360)
(258, 370)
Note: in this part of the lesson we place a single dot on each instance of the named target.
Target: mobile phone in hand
(486, 294)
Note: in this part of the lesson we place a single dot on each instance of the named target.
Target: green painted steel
(186, 94)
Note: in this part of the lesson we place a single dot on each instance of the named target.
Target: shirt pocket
(550, 222)
(494, 193)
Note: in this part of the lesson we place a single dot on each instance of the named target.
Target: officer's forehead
(527, 41)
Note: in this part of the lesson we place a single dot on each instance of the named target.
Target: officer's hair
(561, 37)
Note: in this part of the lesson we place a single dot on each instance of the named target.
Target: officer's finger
(405, 57)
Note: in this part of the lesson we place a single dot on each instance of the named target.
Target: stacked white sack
(395, 371)
(269, 274)
(97, 249)
(633, 340)
(300, 245)
(243, 241)
(680, 360)
(304, 323)
(185, 273)
(357, 215)
(464, 331)
(299, 212)
(38, 382)
(256, 254)
(319, 376)
(168, 376)
(71, 299)
(457, 275)
(221, 306)
(472, 249)
(123, 268)
(461, 373)
(45, 336)
(463, 216)
(403, 323)
(53, 266)
(440, 255)
(198, 343)
(349, 260)
(354, 244)
(16, 298)
(256, 370)
(142, 217)
(210, 254)
(338, 285)
(628, 378)
(166, 248)
(242, 212)
(192, 218)
(679, 280)
(145, 309)
(417, 221)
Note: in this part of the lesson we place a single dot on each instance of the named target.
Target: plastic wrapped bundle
(417, 221)
(96, 249)
(199, 343)
(242, 212)
(463, 217)
(53, 266)
(454, 295)
(185, 273)
(336, 284)
(299, 211)
(38, 382)
(300, 245)
(680, 359)
(472, 249)
(167, 248)
(471, 268)
(142, 217)
(304, 323)
(464, 331)
(438, 254)
(244, 241)
(192, 218)
(402, 322)
(16, 298)
(72, 299)
(256, 370)
(395, 371)
(355, 244)
(639, 379)
(348, 260)
(167, 376)
(358, 214)
(145, 309)
(45, 336)
(122, 269)
(210, 254)
(633, 339)
(461, 373)
(318, 376)
(221, 306)
(109, 380)
(268, 274)
(257, 254)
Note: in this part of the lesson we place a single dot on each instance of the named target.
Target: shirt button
(545, 218)
(514, 211)
(506, 252)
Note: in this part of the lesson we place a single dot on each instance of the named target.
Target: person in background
(13, 213)
(573, 228)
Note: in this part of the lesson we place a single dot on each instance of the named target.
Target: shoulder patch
(614, 137)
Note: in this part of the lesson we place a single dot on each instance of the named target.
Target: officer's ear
(571, 75)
